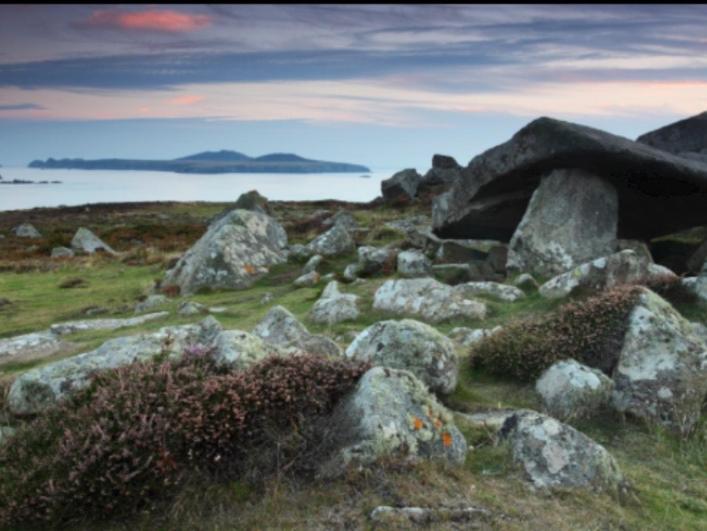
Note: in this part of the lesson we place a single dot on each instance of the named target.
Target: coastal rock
(571, 390)
(492, 196)
(624, 267)
(236, 250)
(409, 345)
(402, 186)
(85, 241)
(413, 264)
(661, 374)
(391, 413)
(554, 454)
(282, 329)
(337, 240)
(71, 327)
(26, 230)
(495, 290)
(427, 298)
(62, 252)
(571, 218)
(334, 307)
(38, 388)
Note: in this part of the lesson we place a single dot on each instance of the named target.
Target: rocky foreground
(528, 271)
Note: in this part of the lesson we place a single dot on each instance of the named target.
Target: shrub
(133, 437)
(590, 331)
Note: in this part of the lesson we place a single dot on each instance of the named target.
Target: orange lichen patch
(417, 423)
(249, 269)
(446, 439)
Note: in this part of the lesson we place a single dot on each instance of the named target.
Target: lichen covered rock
(409, 345)
(337, 240)
(495, 290)
(85, 241)
(391, 413)
(282, 329)
(413, 264)
(334, 307)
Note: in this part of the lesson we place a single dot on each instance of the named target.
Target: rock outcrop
(571, 218)
(428, 299)
(391, 413)
(412, 346)
(236, 250)
(402, 186)
(687, 138)
(492, 196)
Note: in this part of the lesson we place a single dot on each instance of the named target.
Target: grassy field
(668, 475)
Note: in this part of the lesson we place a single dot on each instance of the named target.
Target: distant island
(223, 161)
(25, 181)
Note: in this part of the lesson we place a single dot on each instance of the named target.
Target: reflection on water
(105, 186)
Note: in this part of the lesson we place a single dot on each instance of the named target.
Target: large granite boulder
(661, 374)
(335, 241)
(625, 267)
(85, 241)
(282, 329)
(428, 299)
(39, 388)
(409, 345)
(571, 218)
(659, 193)
(401, 186)
(334, 307)
(555, 455)
(236, 250)
(687, 138)
(390, 413)
(571, 390)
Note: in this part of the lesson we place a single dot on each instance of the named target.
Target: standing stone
(85, 241)
(661, 374)
(572, 217)
(236, 250)
(409, 345)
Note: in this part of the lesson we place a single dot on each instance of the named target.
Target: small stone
(191, 308)
(312, 264)
(152, 301)
(62, 252)
(307, 280)
(85, 241)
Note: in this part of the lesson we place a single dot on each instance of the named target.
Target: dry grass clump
(590, 331)
(130, 440)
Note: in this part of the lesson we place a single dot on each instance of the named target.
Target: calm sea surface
(105, 186)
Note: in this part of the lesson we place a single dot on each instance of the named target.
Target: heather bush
(590, 331)
(132, 438)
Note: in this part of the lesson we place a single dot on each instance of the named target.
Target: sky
(386, 86)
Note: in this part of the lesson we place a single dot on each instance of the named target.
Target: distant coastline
(209, 162)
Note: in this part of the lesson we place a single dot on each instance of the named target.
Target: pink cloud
(187, 99)
(165, 20)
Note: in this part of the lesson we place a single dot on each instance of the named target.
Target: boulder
(39, 388)
(402, 186)
(150, 302)
(571, 218)
(624, 267)
(417, 230)
(71, 327)
(452, 251)
(372, 260)
(191, 308)
(334, 307)
(661, 374)
(86, 242)
(282, 329)
(299, 251)
(390, 413)
(413, 264)
(493, 193)
(26, 230)
(412, 346)
(312, 264)
(236, 250)
(337, 240)
(554, 454)
(62, 252)
(444, 172)
(495, 290)
(237, 349)
(252, 200)
(685, 137)
(456, 273)
(343, 218)
(350, 272)
(571, 390)
(427, 298)
(467, 337)
(307, 280)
